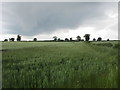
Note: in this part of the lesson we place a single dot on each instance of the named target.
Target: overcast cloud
(40, 19)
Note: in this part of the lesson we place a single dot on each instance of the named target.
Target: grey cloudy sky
(45, 20)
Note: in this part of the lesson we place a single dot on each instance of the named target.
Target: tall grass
(59, 65)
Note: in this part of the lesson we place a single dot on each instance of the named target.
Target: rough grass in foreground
(59, 65)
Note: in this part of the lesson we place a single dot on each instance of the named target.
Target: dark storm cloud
(36, 18)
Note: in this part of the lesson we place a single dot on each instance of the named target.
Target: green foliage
(117, 46)
(104, 44)
(59, 65)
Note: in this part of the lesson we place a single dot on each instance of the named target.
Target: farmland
(59, 65)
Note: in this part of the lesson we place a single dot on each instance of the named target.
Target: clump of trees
(66, 39)
(71, 39)
(11, 39)
(55, 38)
(99, 39)
(108, 39)
(82, 39)
(94, 39)
(5, 39)
(87, 37)
(59, 39)
(78, 38)
(18, 38)
(35, 39)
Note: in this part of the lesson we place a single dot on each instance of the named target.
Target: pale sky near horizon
(61, 19)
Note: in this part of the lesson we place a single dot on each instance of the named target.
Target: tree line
(78, 38)
(13, 39)
(55, 38)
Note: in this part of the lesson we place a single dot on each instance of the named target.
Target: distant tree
(66, 39)
(70, 39)
(82, 39)
(58, 39)
(55, 38)
(87, 37)
(94, 39)
(11, 39)
(6, 40)
(78, 38)
(35, 39)
(62, 40)
(108, 39)
(18, 38)
(99, 39)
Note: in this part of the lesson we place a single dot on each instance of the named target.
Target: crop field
(60, 64)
